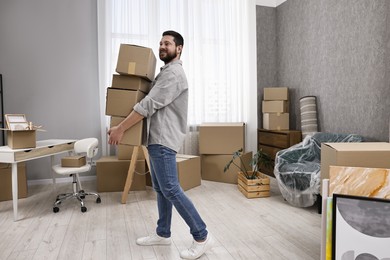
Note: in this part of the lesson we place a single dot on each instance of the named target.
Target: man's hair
(177, 38)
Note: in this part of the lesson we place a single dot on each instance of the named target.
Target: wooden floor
(264, 228)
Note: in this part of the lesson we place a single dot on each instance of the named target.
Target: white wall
(48, 51)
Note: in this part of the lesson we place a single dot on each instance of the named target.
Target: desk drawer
(42, 151)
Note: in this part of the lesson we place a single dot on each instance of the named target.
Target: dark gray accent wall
(266, 52)
(339, 51)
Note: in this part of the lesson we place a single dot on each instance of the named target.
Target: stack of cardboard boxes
(275, 108)
(136, 67)
(217, 143)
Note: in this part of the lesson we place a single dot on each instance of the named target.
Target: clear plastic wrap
(298, 168)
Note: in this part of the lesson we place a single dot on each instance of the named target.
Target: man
(165, 108)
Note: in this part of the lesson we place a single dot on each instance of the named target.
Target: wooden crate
(256, 188)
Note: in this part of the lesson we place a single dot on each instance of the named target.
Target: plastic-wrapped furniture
(297, 169)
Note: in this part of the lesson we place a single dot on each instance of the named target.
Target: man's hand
(115, 135)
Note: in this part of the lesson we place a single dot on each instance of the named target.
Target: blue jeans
(166, 184)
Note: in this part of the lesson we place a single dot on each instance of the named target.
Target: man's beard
(168, 57)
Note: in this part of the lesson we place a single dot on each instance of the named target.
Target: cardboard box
(6, 181)
(188, 171)
(130, 83)
(120, 102)
(111, 174)
(276, 121)
(73, 161)
(221, 138)
(136, 60)
(124, 152)
(275, 106)
(364, 154)
(213, 166)
(133, 135)
(21, 139)
(278, 93)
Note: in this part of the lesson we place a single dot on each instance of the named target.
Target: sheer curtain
(215, 55)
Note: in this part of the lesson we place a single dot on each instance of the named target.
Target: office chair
(88, 147)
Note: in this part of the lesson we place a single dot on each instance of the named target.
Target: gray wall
(339, 51)
(266, 52)
(48, 58)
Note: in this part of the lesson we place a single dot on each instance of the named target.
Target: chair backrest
(88, 146)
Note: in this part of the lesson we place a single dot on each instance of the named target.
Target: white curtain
(215, 55)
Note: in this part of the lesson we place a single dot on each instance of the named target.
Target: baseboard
(59, 180)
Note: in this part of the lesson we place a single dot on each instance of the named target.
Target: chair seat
(71, 170)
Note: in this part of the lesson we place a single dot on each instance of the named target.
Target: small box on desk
(6, 181)
(21, 139)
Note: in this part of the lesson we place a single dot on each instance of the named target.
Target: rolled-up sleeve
(168, 87)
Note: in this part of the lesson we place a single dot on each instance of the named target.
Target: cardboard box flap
(361, 146)
(222, 124)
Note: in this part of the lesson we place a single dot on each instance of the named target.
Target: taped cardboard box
(276, 93)
(130, 83)
(73, 161)
(21, 134)
(275, 106)
(133, 135)
(188, 171)
(6, 181)
(120, 102)
(21, 139)
(276, 121)
(213, 166)
(221, 138)
(111, 174)
(363, 154)
(124, 152)
(137, 61)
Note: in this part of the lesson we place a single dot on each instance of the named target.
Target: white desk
(43, 148)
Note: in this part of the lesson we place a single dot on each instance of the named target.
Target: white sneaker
(153, 240)
(198, 248)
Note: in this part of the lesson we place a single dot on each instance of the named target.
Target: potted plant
(251, 182)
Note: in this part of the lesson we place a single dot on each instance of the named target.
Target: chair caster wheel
(98, 200)
(56, 209)
(83, 209)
